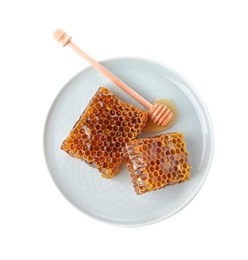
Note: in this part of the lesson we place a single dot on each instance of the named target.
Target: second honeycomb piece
(156, 162)
(103, 129)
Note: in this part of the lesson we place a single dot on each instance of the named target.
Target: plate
(114, 201)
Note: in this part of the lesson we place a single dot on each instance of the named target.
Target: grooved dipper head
(60, 36)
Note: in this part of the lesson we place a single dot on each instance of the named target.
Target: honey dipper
(158, 113)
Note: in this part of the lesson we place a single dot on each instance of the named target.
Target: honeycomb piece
(103, 129)
(156, 162)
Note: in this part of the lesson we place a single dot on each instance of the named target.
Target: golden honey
(152, 128)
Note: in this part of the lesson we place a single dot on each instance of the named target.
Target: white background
(206, 41)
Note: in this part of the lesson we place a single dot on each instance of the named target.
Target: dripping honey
(151, 127)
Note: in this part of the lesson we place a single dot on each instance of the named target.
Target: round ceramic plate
(114, 201)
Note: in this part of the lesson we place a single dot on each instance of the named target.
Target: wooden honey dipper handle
(158, 113)
(60, 36)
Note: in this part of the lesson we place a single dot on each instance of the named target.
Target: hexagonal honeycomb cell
(103, 129)
(156, 162)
